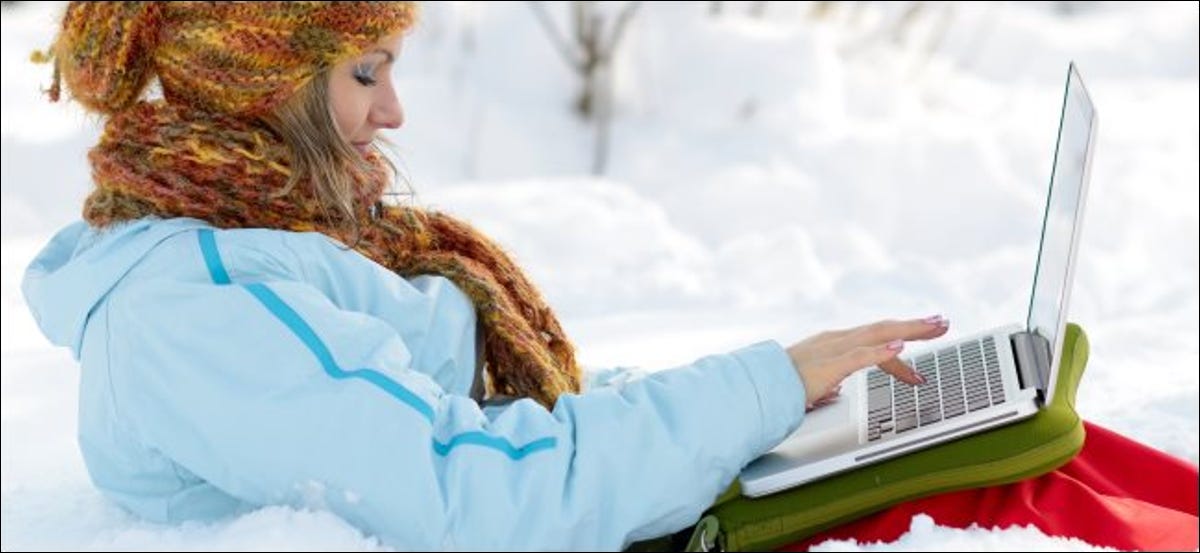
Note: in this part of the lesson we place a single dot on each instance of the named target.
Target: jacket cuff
(779, 388)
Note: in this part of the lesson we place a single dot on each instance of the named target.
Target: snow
(768, 178)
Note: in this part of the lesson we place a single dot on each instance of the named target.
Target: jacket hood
(80, 265)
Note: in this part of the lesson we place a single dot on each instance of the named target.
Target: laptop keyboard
(958, 380)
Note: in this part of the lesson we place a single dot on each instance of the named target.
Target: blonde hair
(320, 155)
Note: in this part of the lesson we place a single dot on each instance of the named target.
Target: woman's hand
(824, 360)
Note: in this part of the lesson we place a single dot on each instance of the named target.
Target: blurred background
(685, 178)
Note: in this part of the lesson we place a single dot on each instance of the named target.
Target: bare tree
(920, 25)
(589, 52)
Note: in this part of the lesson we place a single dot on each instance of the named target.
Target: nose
(387, 113)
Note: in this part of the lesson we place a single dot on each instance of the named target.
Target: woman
(256, 327)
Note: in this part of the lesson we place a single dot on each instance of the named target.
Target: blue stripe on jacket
(294, 322)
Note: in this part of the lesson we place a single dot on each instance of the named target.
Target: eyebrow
(390, 57)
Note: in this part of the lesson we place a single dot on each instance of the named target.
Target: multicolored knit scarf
(161, 159)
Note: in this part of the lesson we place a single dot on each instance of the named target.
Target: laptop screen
(1060, 228)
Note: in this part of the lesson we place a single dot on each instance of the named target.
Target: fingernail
(933, 320)
(944, 323)
(920, 377)
(895, 345)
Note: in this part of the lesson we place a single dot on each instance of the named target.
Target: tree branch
(619, 27)
(560, 44)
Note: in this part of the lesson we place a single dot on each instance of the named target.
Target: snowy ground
(769, 178)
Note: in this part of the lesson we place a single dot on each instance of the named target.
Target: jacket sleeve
(275, 395)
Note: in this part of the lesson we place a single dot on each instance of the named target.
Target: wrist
(805, 376)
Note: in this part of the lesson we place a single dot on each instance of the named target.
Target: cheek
(344, 121)
(349, 119)
(349, 111)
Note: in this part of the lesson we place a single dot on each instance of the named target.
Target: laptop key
(879, 399)
(925, 418)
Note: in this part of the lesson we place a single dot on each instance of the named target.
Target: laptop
(973, 384)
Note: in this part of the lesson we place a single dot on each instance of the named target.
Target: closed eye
(362, 74)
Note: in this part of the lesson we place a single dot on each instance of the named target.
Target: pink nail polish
(933, 320)
(895, 345)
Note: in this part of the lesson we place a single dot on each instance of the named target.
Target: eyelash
(363, 76)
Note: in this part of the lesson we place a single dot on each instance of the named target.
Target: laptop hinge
(1032, 352)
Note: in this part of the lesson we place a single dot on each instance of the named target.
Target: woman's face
(362, 96)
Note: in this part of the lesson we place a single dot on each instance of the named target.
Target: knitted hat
(237, 58)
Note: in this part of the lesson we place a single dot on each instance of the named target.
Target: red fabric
(1116, 493)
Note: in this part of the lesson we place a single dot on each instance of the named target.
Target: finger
(882, 332)
(826, 399)
(939, 327)
(821, 377)
(831, 394)
(902, 371)
(819, 403)
(863, 357)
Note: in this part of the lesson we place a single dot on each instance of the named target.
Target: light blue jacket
(223, 370)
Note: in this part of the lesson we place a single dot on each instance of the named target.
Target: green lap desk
(1007, 454)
